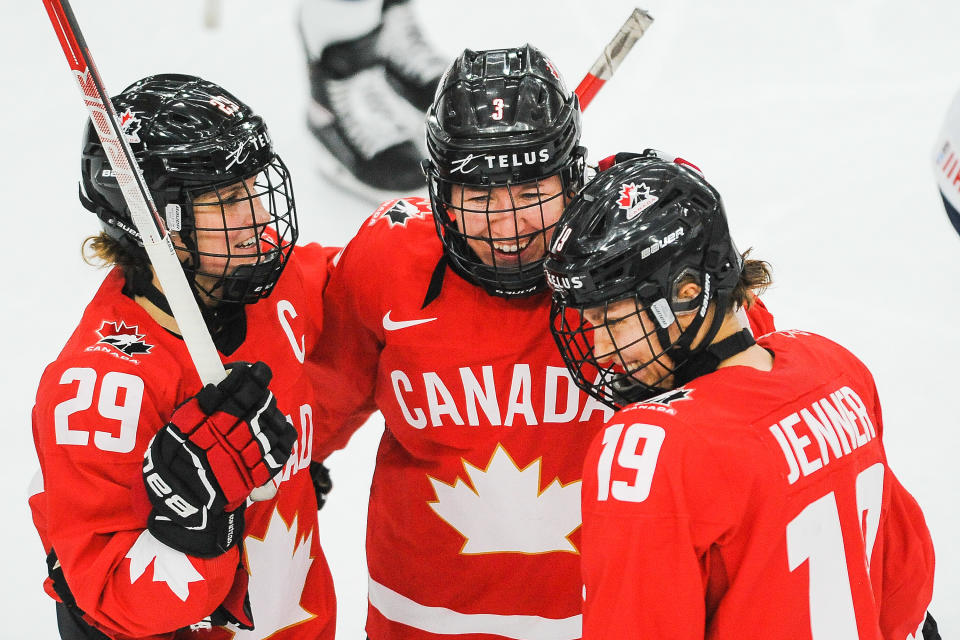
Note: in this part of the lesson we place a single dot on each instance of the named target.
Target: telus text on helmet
(502, 161)
(561, 282)
(239, 155)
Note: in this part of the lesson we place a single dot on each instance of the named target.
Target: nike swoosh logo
(393, 325)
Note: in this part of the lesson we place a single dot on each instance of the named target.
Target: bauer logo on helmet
(670, 238)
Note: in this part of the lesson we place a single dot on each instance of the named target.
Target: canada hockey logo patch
(123, 338)
(634, 198)
(130, 125)
(397, 212)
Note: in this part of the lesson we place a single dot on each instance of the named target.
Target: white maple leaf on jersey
(505, 511)
(278, 568)
(169, 565)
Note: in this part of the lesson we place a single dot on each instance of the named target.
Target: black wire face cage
(238, 234)
(638, 338)
(510, 240)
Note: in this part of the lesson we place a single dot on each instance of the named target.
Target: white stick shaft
(612, 55)
(156, 240)
(152, 231)
(618, 48)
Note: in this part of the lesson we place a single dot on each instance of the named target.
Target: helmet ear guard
(681, 305)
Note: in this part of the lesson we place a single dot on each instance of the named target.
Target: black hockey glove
(218, 446)
(322, 484)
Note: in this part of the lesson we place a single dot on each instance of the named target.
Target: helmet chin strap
(705, 358)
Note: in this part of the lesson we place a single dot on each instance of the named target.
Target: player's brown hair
(102, 250)
(755, 277)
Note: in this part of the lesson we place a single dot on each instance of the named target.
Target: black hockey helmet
(193, 138)
(501, 118)
(638, 232)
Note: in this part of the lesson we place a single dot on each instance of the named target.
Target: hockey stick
(150, 226)
(612, 55)
(152, 230)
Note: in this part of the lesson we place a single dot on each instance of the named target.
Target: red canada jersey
(752, 504)
(114, 385)
(474, 519)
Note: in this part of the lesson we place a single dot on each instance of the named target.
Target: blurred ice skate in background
(372, 75)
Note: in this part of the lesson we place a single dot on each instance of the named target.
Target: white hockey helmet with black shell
(500, 118)
(192, 137)
(639, 231)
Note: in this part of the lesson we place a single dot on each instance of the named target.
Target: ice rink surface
(815, 120)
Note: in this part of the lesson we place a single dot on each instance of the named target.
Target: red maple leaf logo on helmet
(635, 199)
(628, 193)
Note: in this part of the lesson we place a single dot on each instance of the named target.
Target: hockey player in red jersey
(742, 489)
(474, 507)
(144, 509)
(473, 526)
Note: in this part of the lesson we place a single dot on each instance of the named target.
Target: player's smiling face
(509, 226)
(230, 225)
(625, 337)
(231, 230)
